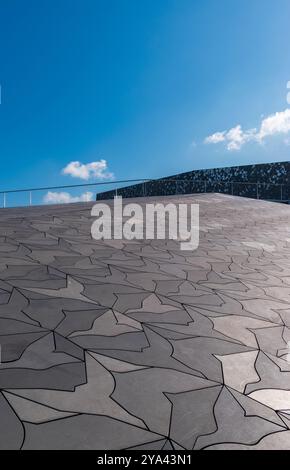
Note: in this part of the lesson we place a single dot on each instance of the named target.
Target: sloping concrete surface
(139, 345)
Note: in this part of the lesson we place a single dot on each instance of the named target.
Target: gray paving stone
(85, 432)
(122, 345)
(192, 415)
(11, 428)
(233, 426)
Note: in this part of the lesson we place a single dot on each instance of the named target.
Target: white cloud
(216, 138)
(86, 171)
(278, 123)
(64, 198)
(235, 138)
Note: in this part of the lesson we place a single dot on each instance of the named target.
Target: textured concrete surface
(138, 345)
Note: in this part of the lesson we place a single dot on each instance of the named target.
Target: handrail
(211, 183)
(47, 188)
(205, 182)
(138, 180)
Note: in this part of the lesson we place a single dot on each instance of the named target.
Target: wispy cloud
(235, 138)
(86, 171)
(216, 138)
(64, 198)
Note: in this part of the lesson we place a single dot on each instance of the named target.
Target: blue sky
(140, 85)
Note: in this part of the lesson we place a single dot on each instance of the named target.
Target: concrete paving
(139, 345)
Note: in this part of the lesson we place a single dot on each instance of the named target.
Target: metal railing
(174, 186)
(178, 186)
(30, 191)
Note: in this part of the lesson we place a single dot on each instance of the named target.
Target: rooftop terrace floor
(139, 345)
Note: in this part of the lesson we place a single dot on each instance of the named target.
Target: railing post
(281, 194)
(30, 198)
(257, 190)
(232, 188)
(116, 192)
(205, 187)
(4, 200)
(144, 189)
